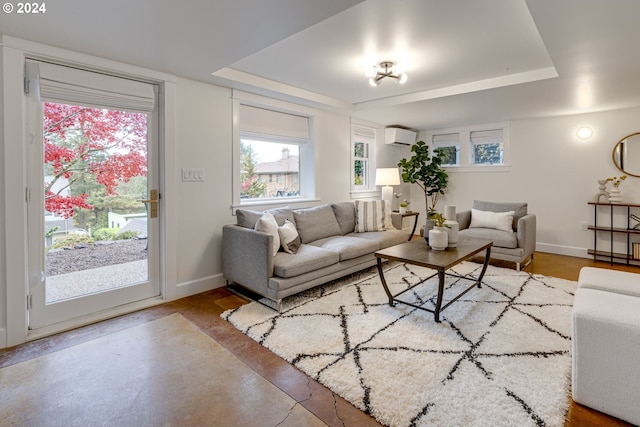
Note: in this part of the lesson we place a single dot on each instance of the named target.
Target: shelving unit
(630, 257)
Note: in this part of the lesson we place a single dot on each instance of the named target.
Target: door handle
(153, 203)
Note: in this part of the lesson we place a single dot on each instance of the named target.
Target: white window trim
(369, 191)
(466, 155)
(307, 173)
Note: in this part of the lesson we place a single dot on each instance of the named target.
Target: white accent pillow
(370, 215)
(497, 220)
(267, 223)
(289, 237)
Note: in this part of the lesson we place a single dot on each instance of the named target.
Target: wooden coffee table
(417, 252)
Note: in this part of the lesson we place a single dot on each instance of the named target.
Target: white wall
(555, 173)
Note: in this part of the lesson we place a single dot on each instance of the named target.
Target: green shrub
(72, 240)
(105, 233)
(125, 235)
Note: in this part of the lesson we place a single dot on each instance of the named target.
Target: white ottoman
(606, 345)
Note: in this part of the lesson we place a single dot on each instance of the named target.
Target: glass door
(93, 210)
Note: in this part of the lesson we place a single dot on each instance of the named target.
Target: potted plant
(403, 206)
(438, 235)
(426, 171)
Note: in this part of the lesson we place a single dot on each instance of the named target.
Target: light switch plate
(192, 175)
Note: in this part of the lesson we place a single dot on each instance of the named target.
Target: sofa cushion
(347, 247)
(383, 239)
(487, 219)
(248, 218)
(289, 237)
(316, 223)
(308, 258)
(267, 224)
(345, 213)
(519, 208)
(503, 239)
(370, 216)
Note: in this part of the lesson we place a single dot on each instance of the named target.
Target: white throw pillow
(267, 223)
(497, 220)
(289, 237)
(370, 215)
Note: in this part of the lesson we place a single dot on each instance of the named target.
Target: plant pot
(428, 225)
(402, 209)
(438, 238)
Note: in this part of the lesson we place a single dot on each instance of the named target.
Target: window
(268, 169)
(469, 149)
(363, 143)
(449, 144)
(273, 149)
(488, 148)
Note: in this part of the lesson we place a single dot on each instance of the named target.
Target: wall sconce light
(584, 132)
(387, 177)
(385, 69)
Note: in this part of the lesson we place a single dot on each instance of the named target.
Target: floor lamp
(387, 177)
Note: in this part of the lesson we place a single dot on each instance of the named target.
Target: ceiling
(468, 61)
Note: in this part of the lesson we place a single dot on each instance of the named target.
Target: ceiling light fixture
(385, 69)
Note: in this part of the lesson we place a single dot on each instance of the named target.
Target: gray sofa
(330, 248)
(516, 244)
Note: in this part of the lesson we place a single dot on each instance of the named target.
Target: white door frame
(13, 54)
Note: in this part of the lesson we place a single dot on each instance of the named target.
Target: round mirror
(626, 154)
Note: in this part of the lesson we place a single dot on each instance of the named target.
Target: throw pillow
(267, 224)
(497, 220)
(316, 223)
(289, 237)
(248, 218)
(370, 215)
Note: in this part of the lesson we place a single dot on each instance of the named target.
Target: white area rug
(500, 356)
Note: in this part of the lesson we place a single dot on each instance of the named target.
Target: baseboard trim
(198, 286)
(562, 250)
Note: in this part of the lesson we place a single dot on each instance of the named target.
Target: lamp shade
(387, 176)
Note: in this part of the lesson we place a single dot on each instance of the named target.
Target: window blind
(68, 85)
(446, 138)
(261, 121)
(364, 132)
(486, 136)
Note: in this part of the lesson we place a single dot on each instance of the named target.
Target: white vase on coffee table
(438, 238)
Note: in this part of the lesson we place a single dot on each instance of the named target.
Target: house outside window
(275, 155)
(268, 169)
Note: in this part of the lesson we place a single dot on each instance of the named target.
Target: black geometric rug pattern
(499, 357)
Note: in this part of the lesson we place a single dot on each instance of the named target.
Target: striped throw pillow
(370, 215)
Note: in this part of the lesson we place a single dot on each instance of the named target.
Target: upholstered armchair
(511, 228)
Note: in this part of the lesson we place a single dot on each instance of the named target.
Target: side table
(415, 220)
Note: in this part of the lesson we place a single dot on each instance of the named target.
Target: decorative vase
(402, 209)
(438, 238)
(615, 195)
(453, 228)
(428, 225)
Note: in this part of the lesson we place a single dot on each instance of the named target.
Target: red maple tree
(110, 145)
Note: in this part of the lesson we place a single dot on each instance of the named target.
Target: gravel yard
(63, 261)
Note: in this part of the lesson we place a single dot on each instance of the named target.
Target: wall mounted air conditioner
(399, 136)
